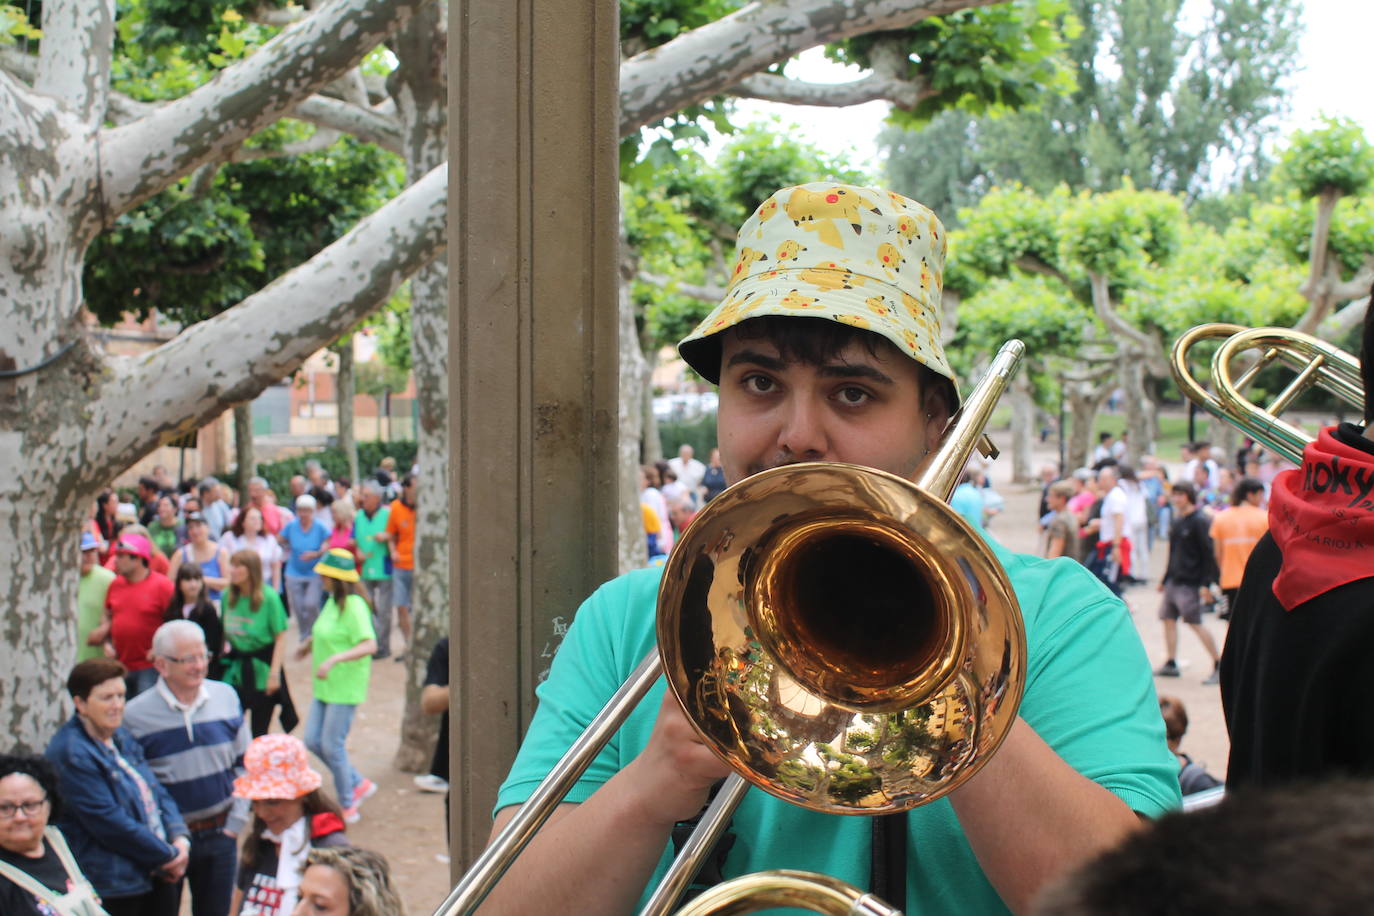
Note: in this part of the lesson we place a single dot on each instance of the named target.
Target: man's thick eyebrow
(755, 358)
(831, 370)
(849, 370)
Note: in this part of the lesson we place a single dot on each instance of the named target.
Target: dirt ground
(407, 825)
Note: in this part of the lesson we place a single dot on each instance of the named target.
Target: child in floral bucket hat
(291, 815)
(826, 347)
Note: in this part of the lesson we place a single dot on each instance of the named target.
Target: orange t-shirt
(400, 524)
(1236, 531)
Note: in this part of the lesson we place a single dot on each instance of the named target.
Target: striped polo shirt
(195, 751)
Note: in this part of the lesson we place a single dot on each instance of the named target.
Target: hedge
(278, 474)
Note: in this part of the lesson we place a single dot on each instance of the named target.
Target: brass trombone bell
(842, 638)
(790, 888)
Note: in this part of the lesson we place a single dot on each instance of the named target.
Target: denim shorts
(402, 583)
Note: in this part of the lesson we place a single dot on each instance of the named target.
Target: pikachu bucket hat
(860, 256)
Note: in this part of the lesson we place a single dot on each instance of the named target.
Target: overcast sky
(1336, 73)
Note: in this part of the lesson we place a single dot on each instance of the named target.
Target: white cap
(305, 501)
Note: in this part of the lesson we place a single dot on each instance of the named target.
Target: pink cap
(135, 544)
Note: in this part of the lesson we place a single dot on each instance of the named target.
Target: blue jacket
(103, 817)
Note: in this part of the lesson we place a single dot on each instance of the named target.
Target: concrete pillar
(533, 210)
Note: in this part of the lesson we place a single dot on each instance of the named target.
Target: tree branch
(19, 65)
(872, 88)
(701, 292)
(1344, 321)
(710, 59)
(144, 157)
(1148, 344)
(74, 59)
(887, 82)
(1033, 265)
(366, 124)
(235, 355)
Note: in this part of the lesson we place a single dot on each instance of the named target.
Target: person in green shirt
(340, 645)
(369, 532)
(166, 530)
(90, 597)
(255, 629)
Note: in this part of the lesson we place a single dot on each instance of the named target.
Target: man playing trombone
(827, 348)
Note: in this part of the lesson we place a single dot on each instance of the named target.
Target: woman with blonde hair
(255, 629)
(348, 881)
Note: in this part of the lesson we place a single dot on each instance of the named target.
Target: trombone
(1317, 363)
(756, 637)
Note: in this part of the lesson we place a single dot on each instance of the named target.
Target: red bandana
(1322, 518)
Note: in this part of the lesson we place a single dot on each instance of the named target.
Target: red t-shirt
(136, 610)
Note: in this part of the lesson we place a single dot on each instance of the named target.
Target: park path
(407, 825)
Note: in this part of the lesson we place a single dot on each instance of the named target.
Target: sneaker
(1214, 677)
(1168, 669)
(363, 791)
(428, 782)
(352, 815)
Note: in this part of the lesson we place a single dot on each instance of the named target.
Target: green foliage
(15, 26)
(700, 434)
(682, 224)
(1033, 308)
(1336, 157)
(992, 58)
(1152, 103)
(375, 378)
(1008, 225)
(392, 326)
(1286, 224)
(1121, 232)
(649, 23)
(278, 474)
(192, 256)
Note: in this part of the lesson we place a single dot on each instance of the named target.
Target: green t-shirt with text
(338, 631)
(248, 631)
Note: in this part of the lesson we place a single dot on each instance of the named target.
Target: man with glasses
(194, 734)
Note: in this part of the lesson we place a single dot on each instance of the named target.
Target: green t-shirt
(166, 540)
(373, 550)
(336, 632)
(90, 607)
(249, 631)
(1089, 694)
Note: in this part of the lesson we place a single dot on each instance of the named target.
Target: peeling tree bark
(419, 86)
(346, 388)
(85, 417)
(246, 461)
(1022, 401)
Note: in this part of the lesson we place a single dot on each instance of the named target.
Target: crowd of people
(672, 492)
(826, 347)
(167, 776)
(1210, 516)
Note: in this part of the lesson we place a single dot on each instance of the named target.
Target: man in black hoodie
(1298, 670)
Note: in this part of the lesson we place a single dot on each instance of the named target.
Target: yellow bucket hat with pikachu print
(864, 257)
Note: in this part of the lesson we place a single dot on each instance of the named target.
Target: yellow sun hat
(864, 257)
(338, 563)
